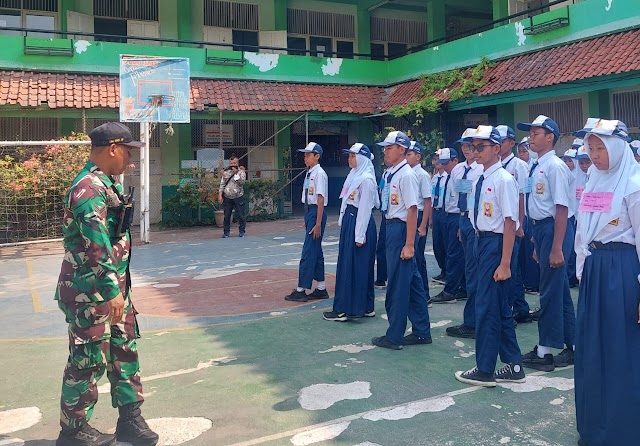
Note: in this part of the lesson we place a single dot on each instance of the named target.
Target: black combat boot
(85, 436)
(132, 428)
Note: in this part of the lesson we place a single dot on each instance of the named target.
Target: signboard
(154, 89)
(474, 120)
(215, 133)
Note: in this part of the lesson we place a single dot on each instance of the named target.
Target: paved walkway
(226, 361)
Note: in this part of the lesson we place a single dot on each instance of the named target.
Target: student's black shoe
(380, 284)
(297, 296)
(523, 318)
(371, 313)
(318, 294)
(535, 314)
(443, 298)
(334, 316)
(461, 295)
(413, 339)
(476, 378)
(226, 235)
(441, 278)
(510, 373)
(564, 358)
(383, 342)
(85, 436)
(531, 290)
(241, 234)
(461, 331)
(532, 361)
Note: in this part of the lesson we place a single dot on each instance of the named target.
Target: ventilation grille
(396, 30)
(29, 129)
(567, 114)
(325, 24)
(231, 15)
(31, 5)
(127, 9)
(245, 133)
(626, 108)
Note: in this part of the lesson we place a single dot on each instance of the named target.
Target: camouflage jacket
(233, 182)
(96, 257)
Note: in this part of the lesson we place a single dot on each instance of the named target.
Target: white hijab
(364, 171)
(622, 178)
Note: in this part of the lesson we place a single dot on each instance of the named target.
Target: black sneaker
(461, 295)
(535, 314)
(476, 378)
(334, 316)
(380, 284)
(443, 298)
(383, 342)
(413, 339)
(440, 278)
(510, 373)
(85, 436)
(241, 234)
(564, 358)
(225, 235)
(136, 431)
(297, 296)
(523, 318)
(318, 294)
(371, 313)
(461, 331)
(532, 361)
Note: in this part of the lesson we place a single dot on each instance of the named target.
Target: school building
(274, 73)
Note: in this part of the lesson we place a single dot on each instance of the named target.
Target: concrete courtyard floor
(226, 361)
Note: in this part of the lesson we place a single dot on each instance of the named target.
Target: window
(396, 49)
(391, 37)
(110, 27)
(320, 46)
(126, 9)
(245, 40)
(626, 108)
(323, 33)
(34, 14)
(344, 49)
(225, 14)
(297, 43)
(566, 113)
(378, 51)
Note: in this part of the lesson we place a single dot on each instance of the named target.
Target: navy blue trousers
(607, 359)
(354, 273)
(312, 258)
(495, 334)
(455, 255)
(406, 296)
(529, 268)
(516, 295)
(468, 236)
(421, 260)
(557, 323)
(571, 265)
(439, 240)
(381, 251)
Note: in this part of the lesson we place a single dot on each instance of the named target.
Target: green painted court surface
(274, 378)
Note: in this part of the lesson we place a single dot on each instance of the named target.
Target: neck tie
(306, 192)
(462, 198)
(444, 194)
(507, 163)
(477, 201)
(436, 193)
(533, 167)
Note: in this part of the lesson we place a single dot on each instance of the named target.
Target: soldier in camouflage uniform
(94, 294)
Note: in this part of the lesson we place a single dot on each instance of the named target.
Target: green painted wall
(280, 15)
(506, 115)
(168, 18)
(599, 104)
(500, 9)
(84, 6)
(436, 20)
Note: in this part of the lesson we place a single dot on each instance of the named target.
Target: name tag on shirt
(528, 186)
(596, 202)
(385, 197)
(579, 191)
(306, 183)
(463, 186)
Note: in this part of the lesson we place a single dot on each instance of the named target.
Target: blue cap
(489, 133)
(446, 155)
(524, 142)
(467, 136)
(359, 148)
(416, 147)
(582, 153)
(577, 143)
(396, 137)
(506, 132)
(571, 153)
(604, 127)
(312, 147)
(543, 122)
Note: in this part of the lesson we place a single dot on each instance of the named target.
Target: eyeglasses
(480, 147)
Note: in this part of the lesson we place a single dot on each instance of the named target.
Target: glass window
(321, 46)
(344, 49)
(245, 41)
(397, 49)
(297, 43)
(112, 28)
(40, 22)
(377, 51)
(10, 19)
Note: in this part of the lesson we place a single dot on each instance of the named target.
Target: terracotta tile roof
(59, 90)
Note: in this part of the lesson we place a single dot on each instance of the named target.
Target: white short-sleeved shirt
(424, 185)
(499, 200)
(440, 189)
(317, 183)
(518, 169)
(363, 198)
(403, 190)
(458, 184)
(552, 183)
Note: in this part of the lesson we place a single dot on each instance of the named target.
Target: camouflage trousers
(116, 353)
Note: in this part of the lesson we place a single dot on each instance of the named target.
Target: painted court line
(35, 299)
(357, 416)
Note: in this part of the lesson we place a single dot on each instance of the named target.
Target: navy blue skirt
(354, 273)
(607, 358)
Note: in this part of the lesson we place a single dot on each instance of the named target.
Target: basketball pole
(144, 182)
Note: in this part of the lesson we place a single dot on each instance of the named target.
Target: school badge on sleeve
(488, 209)
(540, 188)
(615, 222)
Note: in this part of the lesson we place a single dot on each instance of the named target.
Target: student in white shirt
(381, 254)
(529, 268)
(495, 218)
(354, 296)
(438, 219)
(314, 198)
(635, 147)
(549, 204)
(569, 158)
(406, 296)
(607, 358)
